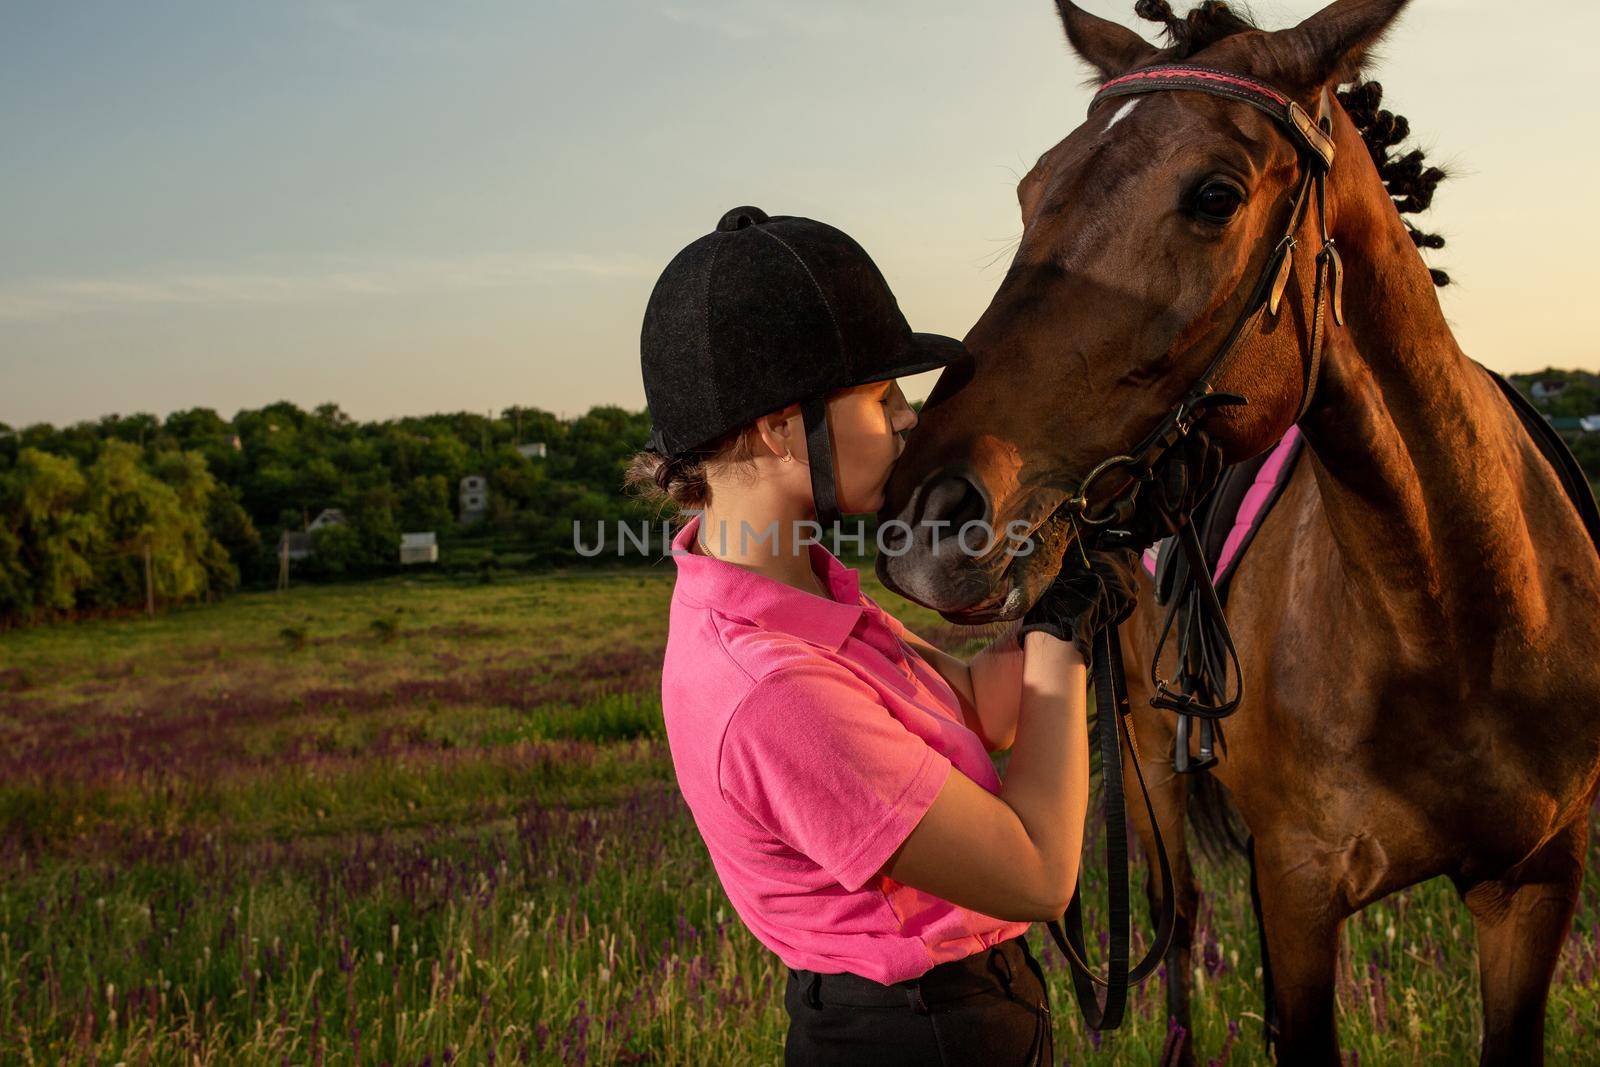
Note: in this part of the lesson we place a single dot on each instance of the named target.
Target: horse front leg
(1522, 922)
(1169, 792)
(1301, 915)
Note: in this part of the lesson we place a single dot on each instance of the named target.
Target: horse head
(1144, 231)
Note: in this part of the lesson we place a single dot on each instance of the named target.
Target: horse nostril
(954, 499)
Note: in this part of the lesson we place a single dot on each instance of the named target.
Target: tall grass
(457, 839)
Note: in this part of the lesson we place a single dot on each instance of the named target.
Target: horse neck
(1414, 448)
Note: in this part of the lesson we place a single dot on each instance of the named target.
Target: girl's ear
(781, 430)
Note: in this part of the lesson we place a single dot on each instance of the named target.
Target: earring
(788, 456)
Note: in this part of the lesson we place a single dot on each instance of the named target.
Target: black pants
(990, 1008)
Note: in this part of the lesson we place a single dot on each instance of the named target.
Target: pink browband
(1259, 95)
(1170, 73)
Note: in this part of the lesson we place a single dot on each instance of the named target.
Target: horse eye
(1217, 201)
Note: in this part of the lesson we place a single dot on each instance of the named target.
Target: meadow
(433, 821)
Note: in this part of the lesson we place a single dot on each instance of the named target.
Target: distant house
(299, 543)
(1589, 424)
(296, 544)
(419, 548)
(236, 443)
(474, 499)
(1547, 388)
(535, 450)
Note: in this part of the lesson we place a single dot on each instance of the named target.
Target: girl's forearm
(1047, 778)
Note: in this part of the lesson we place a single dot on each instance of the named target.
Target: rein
(1162, 469)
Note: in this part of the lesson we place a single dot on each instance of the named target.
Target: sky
(404, 207)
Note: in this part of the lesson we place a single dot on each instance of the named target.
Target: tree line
(107, 515)
(205, 499)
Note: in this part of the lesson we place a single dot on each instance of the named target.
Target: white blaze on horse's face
(1122, 113)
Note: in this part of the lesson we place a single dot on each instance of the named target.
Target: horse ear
(1329, 47)
(1108, 47)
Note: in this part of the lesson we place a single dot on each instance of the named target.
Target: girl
(836, 764)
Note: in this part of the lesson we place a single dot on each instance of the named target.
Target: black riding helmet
(765, 312)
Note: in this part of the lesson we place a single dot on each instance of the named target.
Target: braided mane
(1407, 176)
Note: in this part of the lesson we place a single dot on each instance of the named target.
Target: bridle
(1200, 691)
(1100, 500)
(1160, 469)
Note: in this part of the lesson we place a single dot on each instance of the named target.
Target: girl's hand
(1083, 600)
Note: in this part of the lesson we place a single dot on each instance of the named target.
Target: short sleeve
(812, 755)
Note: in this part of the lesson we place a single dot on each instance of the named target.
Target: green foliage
(337, 552)
(1579, 395)
(376, 529)
(140, 513)
(215, 495)
(1586, 450)
(425, 502)
(234, 532)
(52, 535)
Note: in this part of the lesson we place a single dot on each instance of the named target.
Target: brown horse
(1417, 618)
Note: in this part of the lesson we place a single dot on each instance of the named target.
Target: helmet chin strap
(819, 447)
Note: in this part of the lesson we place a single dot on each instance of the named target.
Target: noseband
(1110, 496)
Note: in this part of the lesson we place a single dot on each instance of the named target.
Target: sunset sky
(407, 207)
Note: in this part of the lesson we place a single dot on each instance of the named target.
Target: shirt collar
(767, 602)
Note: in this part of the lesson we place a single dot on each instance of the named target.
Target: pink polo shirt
(808, 740)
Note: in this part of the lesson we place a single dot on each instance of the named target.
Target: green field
(432, 822)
